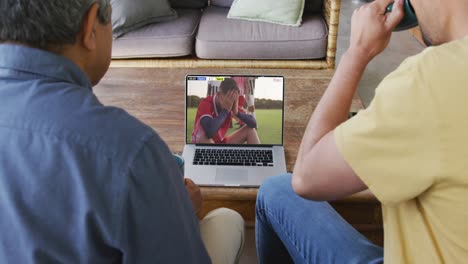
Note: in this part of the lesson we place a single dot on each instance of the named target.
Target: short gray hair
(46, 24)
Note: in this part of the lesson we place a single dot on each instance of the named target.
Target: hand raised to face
(371, 27)
(235, 105)
(228, 100)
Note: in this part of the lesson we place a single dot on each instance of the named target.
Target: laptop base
(232, 176)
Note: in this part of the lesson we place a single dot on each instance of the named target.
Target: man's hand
(235, 106)
(371, 27)
(227, 101)
(195, 196)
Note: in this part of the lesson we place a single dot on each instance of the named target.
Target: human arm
(225, 103)
(211, 125)
(238, 111)
(249, 120)
(157, 220)
(331, 177)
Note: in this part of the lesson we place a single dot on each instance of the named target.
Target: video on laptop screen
(234, 110)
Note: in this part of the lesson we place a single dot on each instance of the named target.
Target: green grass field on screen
(268, 120)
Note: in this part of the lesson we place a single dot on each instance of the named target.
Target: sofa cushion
(189, 3)
(283, 12)
(311, 6)
(128, 15)
(166, 39)
(222, 38)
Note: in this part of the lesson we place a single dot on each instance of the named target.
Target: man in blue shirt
(81, 182)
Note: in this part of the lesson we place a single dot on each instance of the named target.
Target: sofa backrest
(222, 3)
(311, 6)
(192, 4)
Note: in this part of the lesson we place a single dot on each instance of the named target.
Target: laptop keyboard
(233, 157)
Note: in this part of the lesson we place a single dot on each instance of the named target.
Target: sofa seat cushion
(222, 38)
(165, 39)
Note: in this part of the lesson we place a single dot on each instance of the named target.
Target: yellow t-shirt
(411, 149)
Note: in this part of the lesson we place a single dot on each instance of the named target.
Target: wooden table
(156, 96)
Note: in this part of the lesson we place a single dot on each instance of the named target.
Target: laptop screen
(234, 109)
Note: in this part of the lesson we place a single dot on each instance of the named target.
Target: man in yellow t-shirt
(409, 148)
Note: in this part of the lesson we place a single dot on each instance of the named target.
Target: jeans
(292, 229)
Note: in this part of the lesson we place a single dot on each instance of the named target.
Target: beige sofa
(206, 38)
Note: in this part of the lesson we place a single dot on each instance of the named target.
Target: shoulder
(438, 61)
(408, 79)
(206, 103)
(208, 99)
(107, 130)
(429, 73)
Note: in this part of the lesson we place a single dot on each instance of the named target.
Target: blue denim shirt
(81, 182)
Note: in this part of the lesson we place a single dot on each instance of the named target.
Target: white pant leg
(222, 231)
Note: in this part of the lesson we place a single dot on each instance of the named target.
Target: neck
(458, 25)
(77, 56)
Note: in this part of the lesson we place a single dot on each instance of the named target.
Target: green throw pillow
(128, 15)
(284, 12)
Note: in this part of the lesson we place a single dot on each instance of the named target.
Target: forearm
(332, 177)
(212, 125)
(334, 106)
(249, 120)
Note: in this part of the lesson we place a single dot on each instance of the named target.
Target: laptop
(227, 149)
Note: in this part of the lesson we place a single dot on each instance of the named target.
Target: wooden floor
(157, 97)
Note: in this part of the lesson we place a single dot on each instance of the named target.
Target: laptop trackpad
(231, 176)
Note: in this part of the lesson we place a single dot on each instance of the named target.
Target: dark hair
(45, 24)
(227, 85)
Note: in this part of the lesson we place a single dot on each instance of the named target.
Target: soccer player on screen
(215, 113)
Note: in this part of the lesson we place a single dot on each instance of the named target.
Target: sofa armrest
(331, 13)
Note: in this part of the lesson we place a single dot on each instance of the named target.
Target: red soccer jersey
(207, 107)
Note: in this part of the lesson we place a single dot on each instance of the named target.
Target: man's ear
(88, 28)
